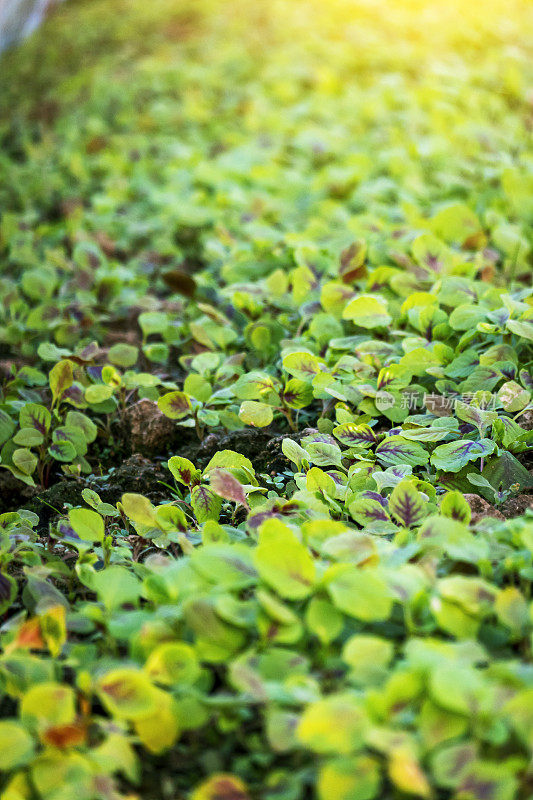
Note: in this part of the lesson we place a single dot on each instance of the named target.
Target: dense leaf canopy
(305, 224)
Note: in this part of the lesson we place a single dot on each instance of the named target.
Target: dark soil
(143, 476)
(513, 507)
(516, 506)
(136, 474)
(147, 431)
(481, 508)
(13, 493)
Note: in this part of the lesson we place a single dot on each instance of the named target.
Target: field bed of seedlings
(266, 402)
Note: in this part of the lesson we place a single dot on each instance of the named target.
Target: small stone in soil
(149, 430)
(481, 509)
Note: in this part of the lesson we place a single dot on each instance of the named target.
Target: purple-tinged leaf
(366, 510)
(33, 415)
(453, 456)
(407, 505)
(174, 404)
(205, 503)
(368, 493)
(184, 470)
(225, 485)
(61, 377)
(454, 506)
(62, 451)
(397, 450)
(353, 435)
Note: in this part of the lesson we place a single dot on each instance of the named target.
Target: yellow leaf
(159, 730)
(221, 787)
(405, 772)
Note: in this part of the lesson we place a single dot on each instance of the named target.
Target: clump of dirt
(516, 506)
(261, 445)
(249, 442)
(152, 437)
(148, 430)
(481, 509)
(525, 420)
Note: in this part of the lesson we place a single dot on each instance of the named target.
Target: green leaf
(16, 745)
(115, 585)
(361, 593)
(184, 470)
(48, 704)
(352, 435)
(173, 664)
(466, 316)
(197, 386)
(522, 329)
(225, 565)
(229, 459)
(127, 693)
(259, 415)
(355, 778)
(33, 415)
(425, 434)
(293, 451)
(153, 322)
(512, 609)
(454, 506)
(88, 525)
(123, 355)
(453, 456)
(455, 223)
(138, 508)
(368, 658)
(157, 352)
(334, 724)
(323, 620)
(454, 539)
(369, 507)
(297, 393)
(280, 730)
(175, 405)
(205, 503)
(7, 426)
(75, 419)
(319, 481)
(256, 386)
(324, 454)
(431, 253)
(283, 561)
(74, 436)
(216, 641)
(367, 312)
(62, 451)
(28, 437)
(506, 470)
(397, 450)
(61, 378)
(407, 505)
(24, 460)
(477, 416)
(98, 393)
(513, 397)
(303, 366)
